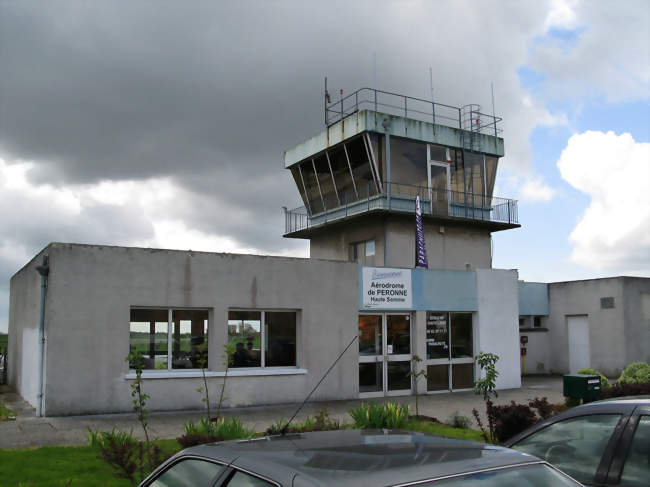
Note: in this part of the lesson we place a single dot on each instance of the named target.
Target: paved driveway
(28, 430)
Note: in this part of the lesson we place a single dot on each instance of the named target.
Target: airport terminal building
(76, 311)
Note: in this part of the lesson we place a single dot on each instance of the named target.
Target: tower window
(363, 253)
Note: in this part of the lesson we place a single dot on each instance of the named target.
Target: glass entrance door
(384, 354)
(439, 183)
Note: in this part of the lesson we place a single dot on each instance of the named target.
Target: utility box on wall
(582, 386)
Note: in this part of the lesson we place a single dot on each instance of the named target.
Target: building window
(537, 321)
(607, 303)
(270, 345)
(522, 322)
(363, 253)
(450, 351)
(169, 338)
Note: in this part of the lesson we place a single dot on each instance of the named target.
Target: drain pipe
(43, 270)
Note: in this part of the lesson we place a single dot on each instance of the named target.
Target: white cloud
(605, 54)
(561, 15)
(534, 189)
(614, 171)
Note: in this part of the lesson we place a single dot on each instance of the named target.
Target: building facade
(599, 323)
(285, 320)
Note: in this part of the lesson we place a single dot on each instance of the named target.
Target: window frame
(263, 312)
(170, 337)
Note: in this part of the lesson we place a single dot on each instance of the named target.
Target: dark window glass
(326, 182)
(370, 377)
(360, 164)
(575, 445)
(398, 334)
(295, 172)
(241, 479)
(438, 153)
(437, 335)
(522, 322)
(537, 321)
(244, 336)
(408, 162)
(461, 335)
(490, 174)
(378, 144)
(635, 471)
(518, 476)
(462, 376)
(148, 335)
(189, 339)
(189, 473)
(437, 377)
(313, 193)
(280, 336)
(457, 176)
(607, 303)
(370, 335)
(342, 176)
(398, 376)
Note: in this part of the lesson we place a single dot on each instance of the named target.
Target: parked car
(604, 443)
(354, 458)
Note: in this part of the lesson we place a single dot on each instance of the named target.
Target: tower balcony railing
(468, 117)
(399, 197)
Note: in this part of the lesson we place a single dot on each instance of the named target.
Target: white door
(578, 330)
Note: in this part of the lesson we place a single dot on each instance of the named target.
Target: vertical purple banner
(420, 245)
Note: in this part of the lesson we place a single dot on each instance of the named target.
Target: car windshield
(537, 475)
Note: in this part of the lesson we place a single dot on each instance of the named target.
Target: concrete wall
(334, 243)
(498, 323)
(607, 333)
(93, 288)
(636, 316)
(448, 246)
(24, 315)
(538, 351)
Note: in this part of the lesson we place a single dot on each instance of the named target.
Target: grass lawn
(73, 466)
(4, 338)
(69, 466)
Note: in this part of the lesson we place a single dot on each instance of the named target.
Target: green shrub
(130, 459)
(221, 429)
(603, 380)
(635, 372)
(320, 422)
(389, 415)
(457, 420)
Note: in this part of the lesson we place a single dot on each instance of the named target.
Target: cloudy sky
(162, 124)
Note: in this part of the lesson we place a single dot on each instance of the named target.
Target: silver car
(354, 458)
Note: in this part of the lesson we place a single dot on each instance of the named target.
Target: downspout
(43, 270)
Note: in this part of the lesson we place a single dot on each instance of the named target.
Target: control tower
(360, 176)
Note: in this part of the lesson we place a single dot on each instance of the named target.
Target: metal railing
(401, 198)
(468, 117)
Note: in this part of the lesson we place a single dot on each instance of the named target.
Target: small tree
(485, 386)
(227, 356)
(202, 361)
(136, 361)
(415, 361)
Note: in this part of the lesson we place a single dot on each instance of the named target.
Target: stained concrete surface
(29, 431)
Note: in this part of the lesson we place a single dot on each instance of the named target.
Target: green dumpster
(582, 386)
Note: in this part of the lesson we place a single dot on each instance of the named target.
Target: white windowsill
(191, 374)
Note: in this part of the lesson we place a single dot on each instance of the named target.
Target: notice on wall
(387, 288)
